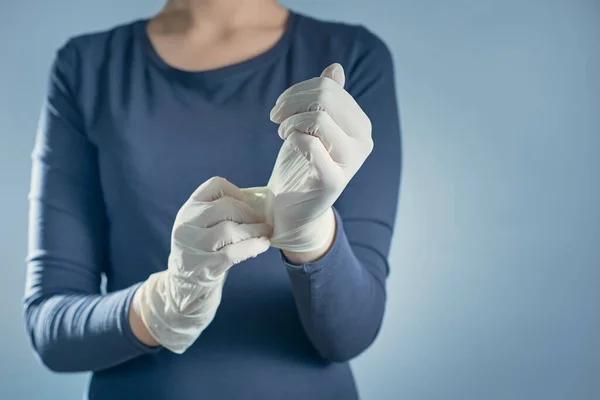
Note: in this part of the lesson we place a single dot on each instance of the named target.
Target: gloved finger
(215, 188)
(338, 103)
(193, 240)
(237, 252)
(330, 174)
(258, 198)
(321, 125)
(228, 232)
(208, 214)
(334, 72)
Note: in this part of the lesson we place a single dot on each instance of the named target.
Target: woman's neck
(198, 35)
(219, 15)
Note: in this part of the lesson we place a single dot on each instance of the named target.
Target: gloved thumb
(336, 72)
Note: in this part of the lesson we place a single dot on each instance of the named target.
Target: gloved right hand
(214, 230)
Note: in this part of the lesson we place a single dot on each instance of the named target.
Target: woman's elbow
(336, 355)
(52, 359)
(339, 350)
(341, 353)
(45, 348)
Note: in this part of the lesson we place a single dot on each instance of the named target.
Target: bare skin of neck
(200, 35)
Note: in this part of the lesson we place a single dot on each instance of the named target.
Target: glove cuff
(174, 318)
(311, 236)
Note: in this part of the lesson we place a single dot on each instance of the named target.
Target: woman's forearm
(341, 297)
(75, 332)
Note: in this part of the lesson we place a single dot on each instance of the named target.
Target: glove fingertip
(274, 114)
(335, 72)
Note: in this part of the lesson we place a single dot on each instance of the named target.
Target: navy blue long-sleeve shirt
(123, 140)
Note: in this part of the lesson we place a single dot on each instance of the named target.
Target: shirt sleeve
(71, 325)
(341, 297)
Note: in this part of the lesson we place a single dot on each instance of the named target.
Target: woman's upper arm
(368, 204)
(67, 220)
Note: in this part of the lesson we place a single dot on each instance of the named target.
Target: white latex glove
(214, 230)
(327, 137)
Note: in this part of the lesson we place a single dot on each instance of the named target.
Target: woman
(153, 148)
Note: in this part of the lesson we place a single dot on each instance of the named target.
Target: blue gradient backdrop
(494, 291)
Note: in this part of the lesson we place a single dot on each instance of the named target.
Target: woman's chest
(155, 156)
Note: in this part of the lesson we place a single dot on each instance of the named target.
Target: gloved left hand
(327, 137)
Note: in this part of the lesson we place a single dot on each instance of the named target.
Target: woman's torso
(159, 133)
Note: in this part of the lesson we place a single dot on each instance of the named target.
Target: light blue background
(495, 285)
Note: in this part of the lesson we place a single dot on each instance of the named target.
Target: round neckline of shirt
(221, 72)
